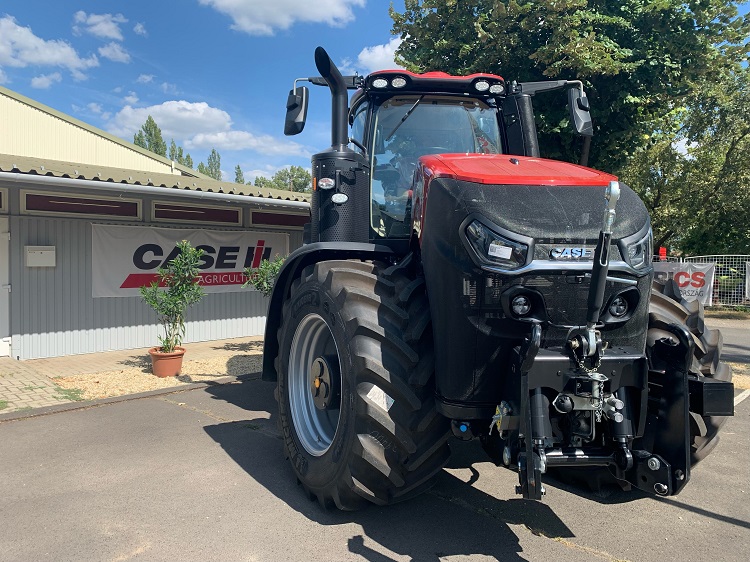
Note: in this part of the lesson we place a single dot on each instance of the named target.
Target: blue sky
(212, 73)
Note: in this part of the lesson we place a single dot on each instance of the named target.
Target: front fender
(292, 268)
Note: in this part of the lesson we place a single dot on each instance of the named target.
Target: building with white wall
(81, 210)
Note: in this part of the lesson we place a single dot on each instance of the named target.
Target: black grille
(565, 302)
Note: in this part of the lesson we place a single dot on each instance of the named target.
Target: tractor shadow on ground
(245, 347)
(454, 518)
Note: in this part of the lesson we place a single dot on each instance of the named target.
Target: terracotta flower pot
(166, 364)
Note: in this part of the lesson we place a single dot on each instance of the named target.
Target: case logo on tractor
(571, 253)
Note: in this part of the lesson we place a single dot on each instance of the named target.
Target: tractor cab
(396, 117)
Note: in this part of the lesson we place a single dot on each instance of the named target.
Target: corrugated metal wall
(53, 312)
(28, 131)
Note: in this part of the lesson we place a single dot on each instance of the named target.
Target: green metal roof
(56, 168)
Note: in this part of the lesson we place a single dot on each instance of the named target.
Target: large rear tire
(355, 387)
(668, 307)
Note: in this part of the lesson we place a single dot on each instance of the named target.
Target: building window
(260, 218)
(170, 212)
(37, 203)
(3, 200)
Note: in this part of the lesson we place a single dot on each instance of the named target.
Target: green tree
(698, 196)
(176, 154)
(293, 178)
(149, 137)
(262, 181)
(213, 166)
(639, 59)
(239, 177)
(139, 139)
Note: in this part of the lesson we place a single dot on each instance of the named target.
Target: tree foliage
(264, 276)
(292, 178)
(213, 166)
(149, 137)
(698, 196)
(176, 154)
(239, 177)
(639, 59)
(263, 181)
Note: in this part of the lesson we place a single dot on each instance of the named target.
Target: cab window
(407, 127)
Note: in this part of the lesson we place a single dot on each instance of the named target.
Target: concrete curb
(87, 404)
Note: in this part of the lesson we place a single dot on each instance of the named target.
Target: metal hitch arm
(529, 461)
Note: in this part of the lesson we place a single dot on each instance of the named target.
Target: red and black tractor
(454, 284)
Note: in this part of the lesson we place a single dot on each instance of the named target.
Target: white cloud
(378, 57)
(198, 126)
(259, 17)
(94, 107)
(114, 52)
(140, 29)
(19, 47)
(144, 78)
(168, 88)
(3, 77)
(44, 81)
(177, 119)
(244, 140)
(105, 26)
(131, 98)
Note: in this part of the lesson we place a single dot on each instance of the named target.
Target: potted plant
(176, 288)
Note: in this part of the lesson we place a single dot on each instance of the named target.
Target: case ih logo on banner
(125, 258)
(695, 280)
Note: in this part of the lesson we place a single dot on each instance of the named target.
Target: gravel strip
(133, 380)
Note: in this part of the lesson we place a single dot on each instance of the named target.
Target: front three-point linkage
(585, 344)
(586, 348)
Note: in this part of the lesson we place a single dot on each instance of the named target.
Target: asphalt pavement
(200, 475)
(736, 344)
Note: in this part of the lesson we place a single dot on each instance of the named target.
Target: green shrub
(264, 276)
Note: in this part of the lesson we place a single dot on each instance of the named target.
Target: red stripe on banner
(258, 253)
(214, 278)
(137, 280)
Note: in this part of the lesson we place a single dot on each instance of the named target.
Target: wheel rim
(315, 427)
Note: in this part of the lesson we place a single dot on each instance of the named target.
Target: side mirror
(580, 113)
(296, 111)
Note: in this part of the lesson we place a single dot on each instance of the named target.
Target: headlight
(495, 248)
(520, 305)
(639, 254)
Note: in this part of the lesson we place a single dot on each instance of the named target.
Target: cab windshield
(408, 127)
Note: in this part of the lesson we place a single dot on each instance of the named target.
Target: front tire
(668, 307)
(355, 387)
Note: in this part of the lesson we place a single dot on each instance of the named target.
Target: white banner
(125, 258)
(747, 280)
(695, 280)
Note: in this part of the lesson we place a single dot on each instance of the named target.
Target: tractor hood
(545, 200)
(507, 169)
